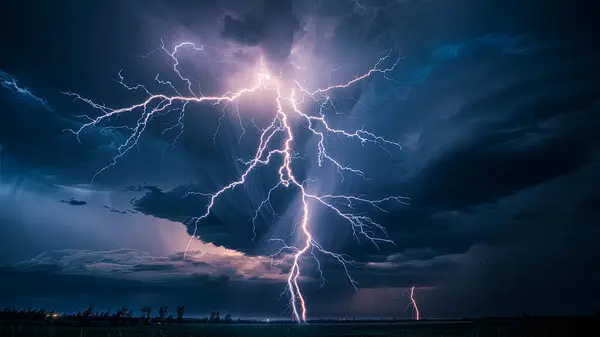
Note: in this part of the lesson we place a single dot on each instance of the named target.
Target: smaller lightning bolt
(414, 303)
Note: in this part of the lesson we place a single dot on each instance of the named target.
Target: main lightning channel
(413, 302)
(287, 106)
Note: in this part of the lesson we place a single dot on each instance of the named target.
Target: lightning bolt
(413, 302)
(288, 109)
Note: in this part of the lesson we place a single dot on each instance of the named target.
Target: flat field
(412, 329)
(233, 330)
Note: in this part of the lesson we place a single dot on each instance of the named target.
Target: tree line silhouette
(121, 316)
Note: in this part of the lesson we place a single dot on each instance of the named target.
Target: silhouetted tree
(127, 314)
(89, 311)
(217, 317)
(121, 315)
(227, 318)
(180, 310)
(85, 316)
(213, 315)
(28, 314)
(162, 312)
(146, 312)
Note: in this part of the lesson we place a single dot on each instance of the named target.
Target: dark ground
(546, 327)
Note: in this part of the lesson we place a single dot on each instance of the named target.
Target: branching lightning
(287, 103)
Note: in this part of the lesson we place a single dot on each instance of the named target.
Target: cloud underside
(218, 279)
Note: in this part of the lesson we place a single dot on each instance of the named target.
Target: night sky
(495, 104)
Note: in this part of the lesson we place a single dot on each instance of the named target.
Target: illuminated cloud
(137, 265)
(20, 93)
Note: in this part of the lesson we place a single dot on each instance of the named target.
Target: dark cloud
(273, 26)
(246, 31)
(169, 205)
(230, 222)
(114, 210)
(139, 188)
(548, 267)
(518, 137)
(158, 267)
(74, 202)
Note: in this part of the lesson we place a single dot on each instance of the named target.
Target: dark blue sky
(495, 103)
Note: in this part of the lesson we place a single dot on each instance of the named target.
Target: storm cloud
(272, 26)
(495, 104)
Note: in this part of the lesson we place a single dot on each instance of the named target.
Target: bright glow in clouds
(289, 97)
